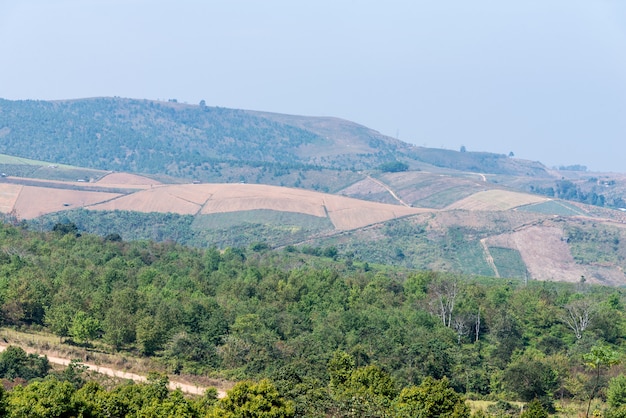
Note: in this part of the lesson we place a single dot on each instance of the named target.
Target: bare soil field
(344, 212)
(494, 200)
(158, 199)
(31, 201)
(8, 196)
(544, 251)
(126, 179)
(36, 201)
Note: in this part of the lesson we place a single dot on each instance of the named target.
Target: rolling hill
(224, 177)
(489, 231)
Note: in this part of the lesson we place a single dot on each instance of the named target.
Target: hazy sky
(545, 79)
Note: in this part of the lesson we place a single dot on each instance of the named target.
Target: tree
(84, 327)
(577, 315)
(616, 394)
(59, 319)
(149, 335)
(368, 391)
(534, 409)
(45, 399)
(531, 377)
(445, 292)
(118, 328)
(16, 363)
(393, 167)
(598, 358)
(249, 399)
(432, 398)
(340, 368)
(66, 228)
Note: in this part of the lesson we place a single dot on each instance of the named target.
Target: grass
(287, 220)
(564, 409)
(469, 258)
(553, 207)
(445, 198)
(9, 159)
(508, 262)
(245, 227)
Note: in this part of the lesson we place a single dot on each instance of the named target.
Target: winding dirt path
(391, 192)
(173, 385)
(489, 258)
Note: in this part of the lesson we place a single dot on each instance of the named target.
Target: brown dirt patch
(158, 199)
(126, 179)
(495, 200)
(189, 199)
(344, 212)
(547, 256)
(544, 251)
(8, 196)
(36, 201)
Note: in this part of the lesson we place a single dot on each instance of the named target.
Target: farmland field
(508, 262)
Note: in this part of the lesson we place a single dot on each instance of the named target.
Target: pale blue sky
(545, 79)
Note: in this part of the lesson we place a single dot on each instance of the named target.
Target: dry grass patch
(8, 196)
(157, 199)
(544, 251)
(496, 200)
(126, 179)
(36, 201)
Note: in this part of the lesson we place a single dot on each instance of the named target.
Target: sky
(544, 79)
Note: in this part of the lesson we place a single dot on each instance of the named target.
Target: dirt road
(173, 385)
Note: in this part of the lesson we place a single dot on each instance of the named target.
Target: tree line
(320, 329)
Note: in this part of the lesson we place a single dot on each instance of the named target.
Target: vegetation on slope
(323, 328)
(182, 140)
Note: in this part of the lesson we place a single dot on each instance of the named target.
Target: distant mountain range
(207, 176)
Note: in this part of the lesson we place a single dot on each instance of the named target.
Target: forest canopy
(323, 329)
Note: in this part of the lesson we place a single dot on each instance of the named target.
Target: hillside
(193, 141)
(463, 224)
(299, 320)
(207, 176)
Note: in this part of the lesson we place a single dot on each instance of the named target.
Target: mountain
(193, 141)
(207, 176)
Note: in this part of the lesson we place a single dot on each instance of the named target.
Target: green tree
(340, 368)
(254, 400)
(531, 377)
(45, 399)
(149, 335)
(84, 327)
(616, 393)
(393, 167)
(432, 398)
(534, 409)
(15, 362)
(600, 357)
(59, 319)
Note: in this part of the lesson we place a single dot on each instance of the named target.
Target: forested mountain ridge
(172, 138)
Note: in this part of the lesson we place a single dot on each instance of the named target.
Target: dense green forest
(319, 333)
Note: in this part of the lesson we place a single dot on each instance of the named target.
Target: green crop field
(508, 262)
(444, 198)
(553, 207)
(245, 227)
